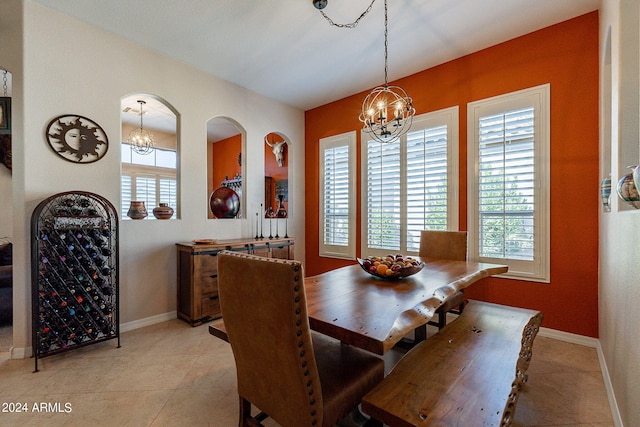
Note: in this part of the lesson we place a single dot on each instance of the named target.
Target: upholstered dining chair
(289, 373)
(445, 245)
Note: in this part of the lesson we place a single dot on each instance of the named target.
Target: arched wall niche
(277, 194)
(226, 145)
(152, 177)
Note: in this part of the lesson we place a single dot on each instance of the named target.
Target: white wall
(619, 296)
(73, 68)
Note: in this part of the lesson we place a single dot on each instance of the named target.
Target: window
(337, 196)
(509, 182)
(149, 178)
(410, 186)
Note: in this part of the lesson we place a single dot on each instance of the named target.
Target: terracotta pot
(137, 210)
(164, 211)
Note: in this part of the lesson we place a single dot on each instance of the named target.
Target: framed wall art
(5, 131)
(77, 139)
(5, 115)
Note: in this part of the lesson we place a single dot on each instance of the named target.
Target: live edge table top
(374, 314)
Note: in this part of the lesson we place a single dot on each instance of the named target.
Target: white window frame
(539, 98)
(348, 140)
(450, 118)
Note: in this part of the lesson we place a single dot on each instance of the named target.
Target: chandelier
(387, 112)
(141, 140)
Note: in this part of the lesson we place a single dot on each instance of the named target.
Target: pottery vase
(282, 211)
(627, 190)
(137, 210)
(636, 176)
(605, 193)
(163, 211)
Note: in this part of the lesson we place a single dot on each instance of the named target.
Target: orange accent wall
(564, 55)
(225, 159)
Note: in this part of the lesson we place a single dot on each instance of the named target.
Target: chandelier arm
(351, 24)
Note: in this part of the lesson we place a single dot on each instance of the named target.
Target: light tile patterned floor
(171, 374)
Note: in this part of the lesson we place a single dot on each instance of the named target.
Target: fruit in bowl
(391, 266)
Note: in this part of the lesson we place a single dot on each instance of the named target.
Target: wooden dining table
(372, 313)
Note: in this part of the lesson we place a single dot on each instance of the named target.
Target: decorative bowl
(395, 266)
(204, 241)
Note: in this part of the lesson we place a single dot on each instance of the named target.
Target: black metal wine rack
(74, 277)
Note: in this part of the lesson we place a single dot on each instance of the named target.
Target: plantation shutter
(146, 190)
(383, 196)
(168, 192)
(125, 181)
(426, 169)
(336, 196)
(506, 185)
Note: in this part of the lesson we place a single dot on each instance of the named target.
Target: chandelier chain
(352, 24)
(386, 45)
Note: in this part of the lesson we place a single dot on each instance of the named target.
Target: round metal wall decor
(77, 139)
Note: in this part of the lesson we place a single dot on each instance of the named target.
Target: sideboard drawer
(211, 308)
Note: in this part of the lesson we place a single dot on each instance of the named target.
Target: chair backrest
(443, 244)
(264, 309)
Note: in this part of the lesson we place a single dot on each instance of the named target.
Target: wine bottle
(105, 251)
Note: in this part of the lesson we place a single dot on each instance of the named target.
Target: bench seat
(468, 374)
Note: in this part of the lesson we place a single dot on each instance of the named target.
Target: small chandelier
(141, 140)
(387, 112)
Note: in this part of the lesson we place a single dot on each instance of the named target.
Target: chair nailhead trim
(299, 333)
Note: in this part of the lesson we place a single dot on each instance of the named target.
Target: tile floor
(171, 374)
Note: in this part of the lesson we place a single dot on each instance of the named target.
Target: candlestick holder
(257, 222)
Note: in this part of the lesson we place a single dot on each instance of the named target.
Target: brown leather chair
(445, 245)
(291, 374)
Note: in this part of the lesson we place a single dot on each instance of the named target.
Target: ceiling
(287, 51)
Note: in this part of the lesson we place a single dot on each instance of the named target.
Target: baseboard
(26, 352)
(613, 403)
(594, 343)
(569, 337)
(20, 352)
(147, 321)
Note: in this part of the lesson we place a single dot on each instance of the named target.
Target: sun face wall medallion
(77, 139)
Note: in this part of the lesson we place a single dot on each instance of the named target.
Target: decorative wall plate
(77, 139)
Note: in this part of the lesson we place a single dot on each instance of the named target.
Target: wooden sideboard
(198, 273)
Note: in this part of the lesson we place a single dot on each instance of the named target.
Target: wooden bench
(468, 374)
